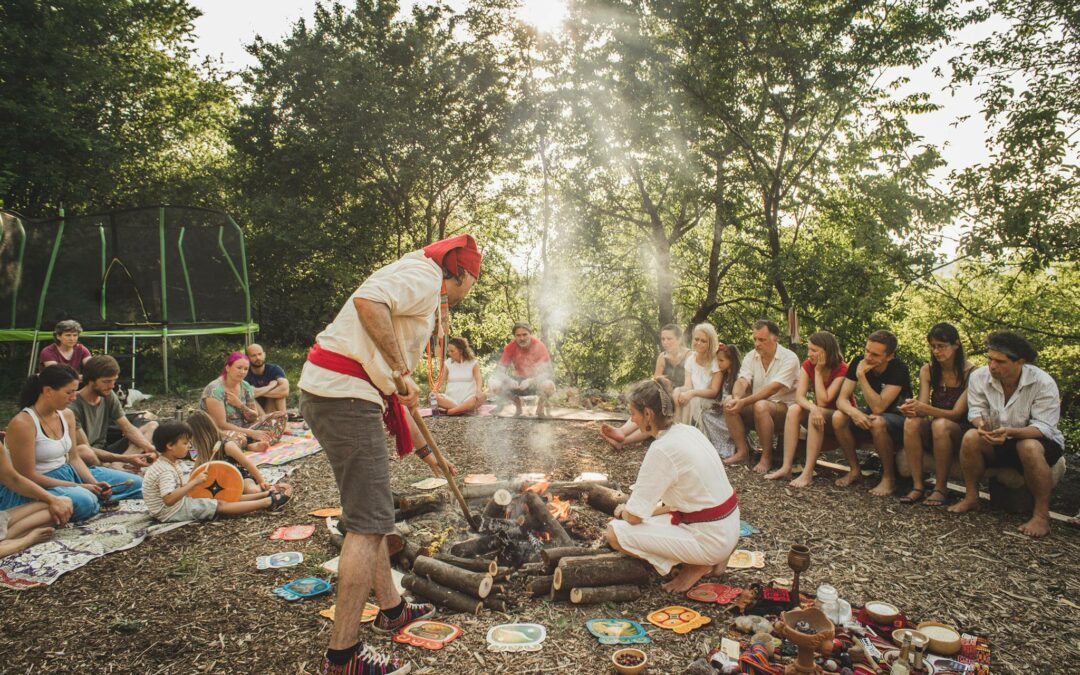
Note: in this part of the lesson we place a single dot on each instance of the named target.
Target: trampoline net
(138, 269)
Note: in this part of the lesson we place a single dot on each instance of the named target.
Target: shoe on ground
(367, 661)
(414, 611)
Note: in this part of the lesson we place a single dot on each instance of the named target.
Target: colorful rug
(75, 545)
(296, 443)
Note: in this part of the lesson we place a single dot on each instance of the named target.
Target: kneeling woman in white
(697, 523)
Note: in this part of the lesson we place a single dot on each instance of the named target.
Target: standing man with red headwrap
(347, 393)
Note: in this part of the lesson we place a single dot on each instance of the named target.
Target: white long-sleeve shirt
(1035, 403)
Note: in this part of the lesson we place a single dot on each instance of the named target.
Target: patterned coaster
(302, 588)
(293, 532)
(428, 634)
(279, 560)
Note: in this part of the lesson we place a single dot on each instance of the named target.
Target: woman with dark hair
(822, 374)
(938, 418)
(714, 420)
(40, 438)
(461, 375)
(669, 364)
(696, 524)
(65, 349)
(230, 402)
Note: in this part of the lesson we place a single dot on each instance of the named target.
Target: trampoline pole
(165, 356)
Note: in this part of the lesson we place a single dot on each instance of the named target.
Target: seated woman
(937, 418)
(701, 383)
(31, 523)
(714, 419)
(210, 445)
(669, 364)
(65, 349)
(40, 439)
(230, 402)
(461, 375)
(822, 375)
(697, 523)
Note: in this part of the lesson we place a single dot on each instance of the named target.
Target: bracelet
(423, 451)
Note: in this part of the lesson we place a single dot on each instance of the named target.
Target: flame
(559, 508)
(545, 536)
(539, 488)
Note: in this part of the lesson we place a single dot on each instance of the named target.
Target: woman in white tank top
(461, 375)
(40, 439)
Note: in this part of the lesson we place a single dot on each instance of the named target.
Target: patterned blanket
(296, 443)
(77, 544)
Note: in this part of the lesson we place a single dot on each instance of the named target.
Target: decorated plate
(481, 479)
(279, 560)
(618, 632)
(742, 559)
(678, 619)
(428, 634)
(718, 593)
(302, 588)
(293, 532)
(516, 637)
(367, 616)
(429, 483)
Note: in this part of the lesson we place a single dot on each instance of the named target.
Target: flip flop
(919, 496)
(930, 501)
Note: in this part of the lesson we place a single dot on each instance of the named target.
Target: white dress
(700, 378)
(682, 469)
(460, 383)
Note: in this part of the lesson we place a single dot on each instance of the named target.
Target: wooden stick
(552, 556)
(540, 515)
(413, 510)
(485, 565)
(422, 426)
(477, 584)
(599, 570)
(412, 501)
(564, 489)
(441, 595)
(596, 595)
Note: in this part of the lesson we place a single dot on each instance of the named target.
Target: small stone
(831, 665)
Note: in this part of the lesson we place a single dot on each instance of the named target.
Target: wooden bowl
(630, 670)
(882, 612)
(944, 639)
(918, 638)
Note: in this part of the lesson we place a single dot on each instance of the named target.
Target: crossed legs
(765, 416)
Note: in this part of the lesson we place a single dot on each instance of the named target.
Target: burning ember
(559, 508)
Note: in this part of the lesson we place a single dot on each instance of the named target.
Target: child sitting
(166, 493)
(210, 445)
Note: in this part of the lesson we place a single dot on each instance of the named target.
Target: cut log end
(596, 595)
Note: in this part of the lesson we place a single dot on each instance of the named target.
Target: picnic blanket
(296, 443)
(77, 544)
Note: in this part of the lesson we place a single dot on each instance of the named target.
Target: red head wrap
(456, 254)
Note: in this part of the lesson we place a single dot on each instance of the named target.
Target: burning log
(413, 501)
(565, 489)
(539, 586)
(599, 570)
(484, 491)
(441, 595)
(485, 565)
(541, 517)
(605, 499)
(496, 506)
(477, 584)
(574, 489)
(477, 546)
(552, 556)
(596, 595)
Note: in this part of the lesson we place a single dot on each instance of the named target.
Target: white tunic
(683, 470)
(410, 288)
(460, 383)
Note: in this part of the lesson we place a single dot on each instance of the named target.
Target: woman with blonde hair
(461, 375)
(210, 445)
(701, 383)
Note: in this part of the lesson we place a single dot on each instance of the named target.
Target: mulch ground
(192, 601)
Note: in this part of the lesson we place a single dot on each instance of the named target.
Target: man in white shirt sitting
(1014, 408)
(761, 395)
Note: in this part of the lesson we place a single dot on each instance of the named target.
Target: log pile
(588, 579)
(456, 588)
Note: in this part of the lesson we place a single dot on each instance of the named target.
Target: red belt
(708, 515)
(393, 411)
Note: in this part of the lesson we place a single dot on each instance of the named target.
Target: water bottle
(178, 414)
(433, 401)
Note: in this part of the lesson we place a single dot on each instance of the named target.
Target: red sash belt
(393, 411)
(708, 515)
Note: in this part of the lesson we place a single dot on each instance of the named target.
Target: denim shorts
(894, 422)
(350, 431)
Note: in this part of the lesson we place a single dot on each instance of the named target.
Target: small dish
(918, 638)
(882, 612)
(944, 639)
(630, 654)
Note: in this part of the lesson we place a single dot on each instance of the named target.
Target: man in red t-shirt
(528, 370)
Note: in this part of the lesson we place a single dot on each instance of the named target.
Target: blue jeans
(85, 502)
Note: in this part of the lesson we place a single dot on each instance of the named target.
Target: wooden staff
(399, 382)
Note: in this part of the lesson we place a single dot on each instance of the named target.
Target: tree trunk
(605, 499)
(596, 595)
(541, 517)
(552, 556)
(600, 570)
(441, 595)
(495, 604)
(539, 586)
(664, 282)
(477, 584)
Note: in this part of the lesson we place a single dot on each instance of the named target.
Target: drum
(225, 483)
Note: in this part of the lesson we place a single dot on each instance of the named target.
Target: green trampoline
(155, 272)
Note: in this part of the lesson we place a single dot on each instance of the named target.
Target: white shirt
(783, 369)
(682, 469)
(700, 376)
(159, 480)
(410, 287)
(1035, 403)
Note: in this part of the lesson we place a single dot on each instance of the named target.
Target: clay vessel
(798, 558)
(820, 639)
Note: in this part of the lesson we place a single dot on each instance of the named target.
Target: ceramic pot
(630, 670)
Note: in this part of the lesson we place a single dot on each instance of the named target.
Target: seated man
(885, 383)
(96, 406)
(528, 370)
(268, 379)
(762, 394)
(1014, 408)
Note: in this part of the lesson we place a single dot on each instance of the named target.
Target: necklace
(49, 431)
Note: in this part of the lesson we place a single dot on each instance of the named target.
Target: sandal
(915, 496)
(936, 501)
(278, 500)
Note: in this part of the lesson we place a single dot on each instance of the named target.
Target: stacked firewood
(586, 576)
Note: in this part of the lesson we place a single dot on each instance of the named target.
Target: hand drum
(224, 484)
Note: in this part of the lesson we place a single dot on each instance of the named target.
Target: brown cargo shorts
(350, 431)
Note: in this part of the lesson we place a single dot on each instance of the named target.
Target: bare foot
(779, 473)
(850, 479)
(884, 489)
(762, 466)
(610, 432)
(1037, 527)
(964, 505)
(282, 487)
(613, 443)
(802, 481)
(34, 536)
(686, 578)
(719, 569)
(737, 458)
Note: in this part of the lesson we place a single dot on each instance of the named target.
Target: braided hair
(655, 395)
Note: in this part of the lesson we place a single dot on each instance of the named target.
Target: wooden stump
(477, 584)
(596, 595)
(605, 499)
(599, 570)
(441, 595)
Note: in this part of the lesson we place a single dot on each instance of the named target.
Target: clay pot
(630, 670)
